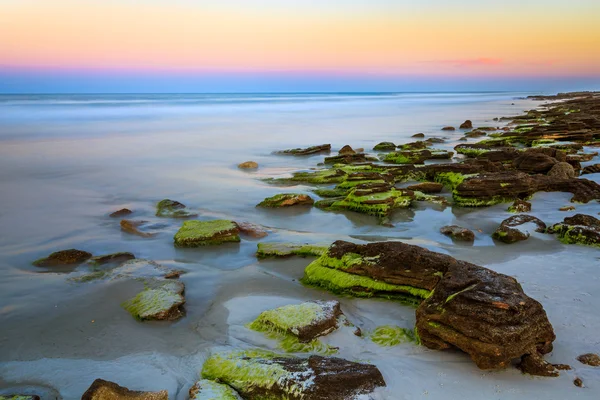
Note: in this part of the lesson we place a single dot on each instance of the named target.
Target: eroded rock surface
(518, 228)
(71, 257)
(458, 233)
(206, 389)
(578, 229)
(589, 359)
(286, 200)
(105, 390)
(323, 148)
(201, 233)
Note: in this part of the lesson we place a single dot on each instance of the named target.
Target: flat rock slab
(306, 151)
(105, 390)
(201, 233)
(517, 228)
(120, 213)
(427, 187)
(161, 300)
(114, 258)
(286, 200)
(258, 375)
(206, 389)
(71, 257)
(266, 250)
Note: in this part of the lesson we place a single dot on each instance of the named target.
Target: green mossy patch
(160, 301)
(173, 209)
(391, 335)
(206, 389)
(378, 204)
(286, 200)
(575, 234)
(200, 233)
(471, 151)
(328, 193)
(288, 249)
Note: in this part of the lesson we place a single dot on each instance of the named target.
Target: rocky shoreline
(459, 305)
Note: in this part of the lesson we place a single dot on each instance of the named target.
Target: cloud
(471, 62)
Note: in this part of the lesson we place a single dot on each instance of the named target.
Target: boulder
(466, 125)
(534, 162)
(266, 250)
(201, 233)
(120, 213)
(458, 233)
(578, 229)
(420, 145)
(426, 187)
(105, 390)
(286, 200)
(131, 227)
(518, 228)
(206, 389)
(385, 146)
(248, 165)
(520, 206)
(173, 209)
(346, 150)
(323, 148)
(257, 375)
(562, 170)
(71, 257)
(589, 359)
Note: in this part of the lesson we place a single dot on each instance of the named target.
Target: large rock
(105, 390)
(173, 209)
(534, 162)
(286, 200)
(346, 150)
(201, 233)
(323, 148)
(466, 125)
(578, 229)
(385, 146)
(485, 314)
(258, 375)
(562, 170)
(458, 233)
(518, 228)
(71, 257)
(206, 389)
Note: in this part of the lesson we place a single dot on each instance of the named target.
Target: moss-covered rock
(322, 148)
(71, 257)
(385, 146)
(259, 375)
(407, 157)
(520, 206)
(200, 233)
(286, 200)
(579, 229)
(391, 335)
(206, 389)
(266, 250)
(105, 390)
(173, 209)
(114, 258)
(458, 233)
(19, 397)
(426, 187)
(161, 300)
(353, 158)
(518, 228)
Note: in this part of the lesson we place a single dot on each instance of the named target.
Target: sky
(127, 46)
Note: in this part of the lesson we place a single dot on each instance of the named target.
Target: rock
(71, 257)
(520, 206)
(448, 128)
(359, 150)
(578, 229)
(407, 157)
(257, 374)
(534, 364)
(201, 233)
(131, 227)
(206, 389)
(582, 157)
(388, 335)
(589, 359)
(426, 187)
(562, 170)
(346, 150)
(475, 134)
(458, 233)
(420, 145)
(251, 230)
(578, 382)
(485, 314)
(385, 146)
(173, 209)
(286, 200)
(114, 258)
(120, 213)
(307, 151)
(105, 390)
(266, 250)
(161, 300)
(19, 397)
(305, 321)
(248, 165)
(435, 140)
(517, 228)
(349, 159)
(466, 125)
(567, 208)
(591, 169)
(533, 162)
(418, 135)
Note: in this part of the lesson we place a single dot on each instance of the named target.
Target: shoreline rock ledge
(461, 305)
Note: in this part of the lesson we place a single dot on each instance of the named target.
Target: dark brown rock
(511, 230)
(418, 135)
(435, 140)
(466, 125)
(346, 150)
(578, 382)
(562, 170)
(131, 227)
(534, 162)
(251, 230)
(520, 206)
(71, 257)
(114, 258)
(578, 229)
(448, 128)
(105, 390)
(323, 148)
(349, 159)
(534, 364)
(385, 146)
(591, 169)
(426, 187)
(120, 213)
(589, 359)
(458, 233)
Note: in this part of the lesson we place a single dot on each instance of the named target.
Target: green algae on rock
(265, 250)
(106, 390)
(307, 151)
(517, 227)
(520, 206)
(385, 146)
(173, 209)
(206, 389)
(161, 300)
(19, 397)
(201, 233)
(71, 257)
(260, 375)
(579, 229)
(286, 200)
(391, 335)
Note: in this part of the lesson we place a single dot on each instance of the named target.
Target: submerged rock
(173, 209)
(307, 151)
(201, 233)
(458, 233)
(206, 389)
(589, 359)
(120, 213)
(286, 200)
(105, 390)
(520, 206)
(448, 128)
(466, 125)
(131, 227)
(578, 229)
(289, 249)
(114, 258)
(251, 230)
(248, 165)
(349, 159)
(71, 257)
(161, 300)
(389, 335)
(567, 208)
(19, 397)
(517, 227)
(257, 375)
(426, 187)
(591, 169)
(385, 146)
(418, 135)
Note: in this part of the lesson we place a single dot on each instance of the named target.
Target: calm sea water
(67, 161)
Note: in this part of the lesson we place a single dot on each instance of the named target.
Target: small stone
(418, 135)
(567, 208)
(512, 229)
(358, 332)
(520, 206)
(448, 128)
(120, 213)
(578, 382)
(131, 227)
(248, 165)
(161, 300)
(589, 359)
(71, 257)
(458, 233)
(346, 150)
(105, 390)
(466, 125)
